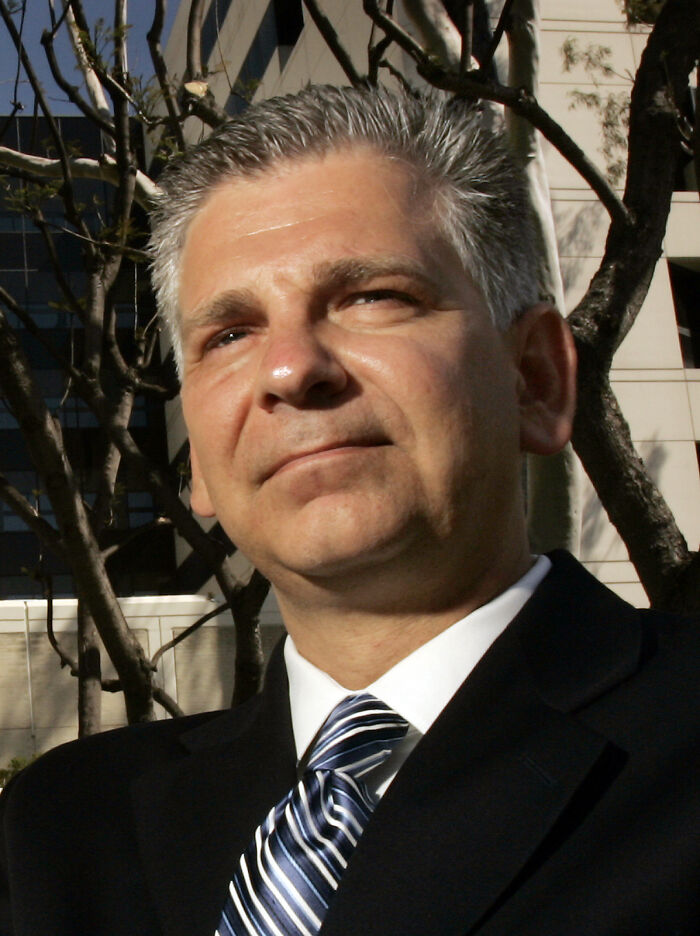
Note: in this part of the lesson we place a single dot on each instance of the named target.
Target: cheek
(214, 416)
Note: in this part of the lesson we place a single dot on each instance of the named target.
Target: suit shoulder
(104, 765)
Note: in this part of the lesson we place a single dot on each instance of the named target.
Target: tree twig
(104, 170)
(67, 191)
(325, 27)
(167, 701)
(189, 630)
(195, 69)
(520, 102)
(71, 91)
(501, 27)
(154, 45)
(30, 515)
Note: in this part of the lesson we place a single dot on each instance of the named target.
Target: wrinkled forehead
(361, 160)
(365, 197)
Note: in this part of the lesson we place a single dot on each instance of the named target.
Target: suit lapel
(500, 776)
(195, 817)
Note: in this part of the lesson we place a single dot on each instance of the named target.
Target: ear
(199, 495)
(545, 358)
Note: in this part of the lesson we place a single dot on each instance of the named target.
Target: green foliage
(14, 767)
(612, 107)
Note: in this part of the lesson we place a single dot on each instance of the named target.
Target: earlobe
(199, 496)
(546, 363)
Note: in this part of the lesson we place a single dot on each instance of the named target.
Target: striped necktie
(289, 872)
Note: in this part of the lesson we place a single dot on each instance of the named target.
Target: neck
(356, 636)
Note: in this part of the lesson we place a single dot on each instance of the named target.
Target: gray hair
(480, 196)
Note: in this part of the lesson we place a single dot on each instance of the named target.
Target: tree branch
(667, 570)
(92, 82)
(520, 102)
(188, 630)
(67, 194)
(65, 658)
(161, 72)
(134, 534)
(104, 169)
(607, 311)
(195, 70)
(31, 516)
(325, 27)
(68, 294)
(440, 36)
(501, 27)
(72, 92)
(38, 333)
(168, 703)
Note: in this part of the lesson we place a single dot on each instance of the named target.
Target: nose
(299, 369)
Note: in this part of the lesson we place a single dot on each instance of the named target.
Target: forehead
(344, 203)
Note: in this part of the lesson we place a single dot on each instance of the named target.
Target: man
(349, 283)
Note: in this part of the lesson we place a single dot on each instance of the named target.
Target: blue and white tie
(289, 872)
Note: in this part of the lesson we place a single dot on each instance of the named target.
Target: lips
(321, 448)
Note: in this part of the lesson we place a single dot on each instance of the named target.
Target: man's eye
(227, 337)
(381, 295)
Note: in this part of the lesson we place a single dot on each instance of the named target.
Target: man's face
(349, 403)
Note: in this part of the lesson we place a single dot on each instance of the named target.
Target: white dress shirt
(417, 687)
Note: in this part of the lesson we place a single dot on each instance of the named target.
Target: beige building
(270, 46)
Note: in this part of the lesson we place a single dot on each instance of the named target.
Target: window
(685, 287)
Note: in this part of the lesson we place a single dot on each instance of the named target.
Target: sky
(140, 15)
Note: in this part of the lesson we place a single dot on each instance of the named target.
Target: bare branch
(104, 169)
(102, 511)
(67, 192)
(189, 630)
(56, 264)
(72, 92)
(465, 56)
(524, 142)
(30, 515)
(631, 499)
(195, 70)
(501, 27)
(440, 36)
(135, 534)
(522, 103)
(246, 604)
(167, 701)
(65, 658)
(203, 106)
(325, 27)
(38, 333)
(92, 82)
(666, 568)
(375, 53)
(161, 72)
(121, 63)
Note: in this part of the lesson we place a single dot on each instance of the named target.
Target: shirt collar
(419, 686)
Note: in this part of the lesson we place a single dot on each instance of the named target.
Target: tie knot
(358, 735)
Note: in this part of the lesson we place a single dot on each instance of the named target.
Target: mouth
(319, 452)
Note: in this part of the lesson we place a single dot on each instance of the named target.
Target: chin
(341, 551)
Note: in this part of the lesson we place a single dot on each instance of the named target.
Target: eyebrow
(328, 276)
(350, 271)
(219, 310)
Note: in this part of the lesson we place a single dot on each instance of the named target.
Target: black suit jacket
(556, 795)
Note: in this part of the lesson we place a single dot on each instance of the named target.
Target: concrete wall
(38, 699)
